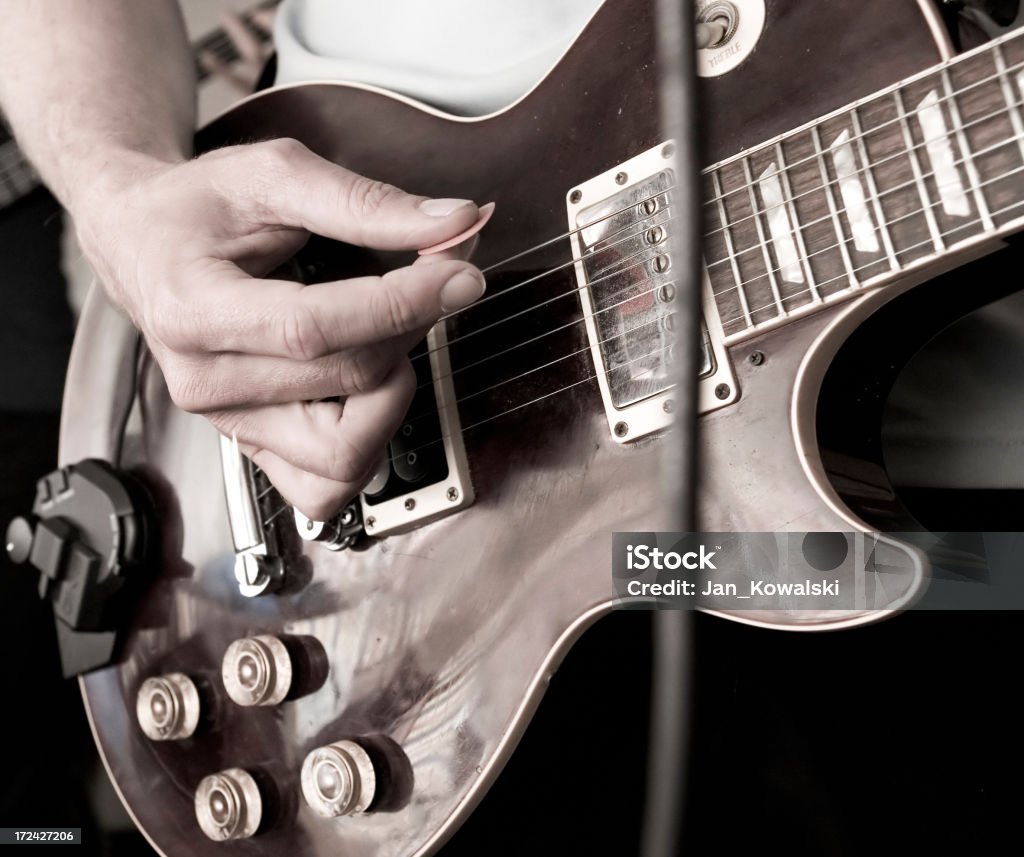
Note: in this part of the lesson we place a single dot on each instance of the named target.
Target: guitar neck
(856, 199)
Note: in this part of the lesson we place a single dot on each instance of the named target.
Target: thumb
(298, 188)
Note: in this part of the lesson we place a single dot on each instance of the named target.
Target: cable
(671, 673)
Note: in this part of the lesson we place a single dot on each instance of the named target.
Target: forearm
(93, 89)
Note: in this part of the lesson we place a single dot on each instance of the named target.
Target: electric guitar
(354, 686)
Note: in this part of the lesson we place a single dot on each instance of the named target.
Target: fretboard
(855, 200)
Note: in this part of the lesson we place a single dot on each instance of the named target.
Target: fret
(915, 165)
(987, 119)
(1012, 106)
(869, 180)
(965, 150)
(787, 258)
(719, 245)
(824, 255)
(772, 281)
(787, 191)
(748, 242)
(826, 183)
(898, 196)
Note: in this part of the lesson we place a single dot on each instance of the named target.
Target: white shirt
(469, 58)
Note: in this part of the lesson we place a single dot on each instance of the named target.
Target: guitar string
(740, 285)
(723, 292)
(1002, 76)
(862, 287)
(533, 339)
(552, 362)
(866, 170)
(888, 223)
(546, 301)
(595, 375)
(728, 225)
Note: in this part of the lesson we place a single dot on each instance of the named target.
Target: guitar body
(440, 641)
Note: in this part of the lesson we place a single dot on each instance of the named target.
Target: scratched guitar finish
(879, 168)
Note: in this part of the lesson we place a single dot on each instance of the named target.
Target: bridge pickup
(425, 473)
(620, 225)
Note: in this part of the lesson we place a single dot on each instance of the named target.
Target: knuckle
(302, 336)
(366, 197)
(393, 309)
(188, 389)
(362, 371)
(281, 153)
(347, 462)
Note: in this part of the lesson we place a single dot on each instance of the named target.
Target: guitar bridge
(620, 225)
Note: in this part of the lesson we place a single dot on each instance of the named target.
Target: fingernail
(442, 207)
(461, 290)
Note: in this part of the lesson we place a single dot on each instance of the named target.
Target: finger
(339, 442)
(221, 381)
(285, 319)
(282, 183)
(317, 498)
(244, 40)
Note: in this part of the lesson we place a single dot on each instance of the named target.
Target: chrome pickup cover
(620, 225)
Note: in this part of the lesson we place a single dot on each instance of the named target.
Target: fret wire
(903, 185)
(787, 191)
(1012, 106)
(837, 225)
(876, 201)
(731, 249)
(915, 165)
(772, 282)
(968, 160)
(973, 222)
(899, 219)
(885, 124)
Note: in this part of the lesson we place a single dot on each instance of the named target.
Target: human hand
(181, 247)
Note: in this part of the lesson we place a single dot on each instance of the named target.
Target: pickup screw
(620, 178)
(621, 429)
(666, 293)
(722, 391)
(371, 522)
(453, 494)
(757, 358)
(410, 504)
(654, 234)
(668, 406)
(575, 196)
(661, 264)
(649, 206)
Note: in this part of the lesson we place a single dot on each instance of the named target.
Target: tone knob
(228, 805)
(257, 671)
(167, 707)
(338, 779)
